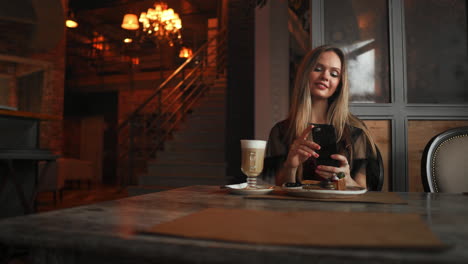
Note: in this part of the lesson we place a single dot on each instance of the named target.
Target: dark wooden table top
(109, 230)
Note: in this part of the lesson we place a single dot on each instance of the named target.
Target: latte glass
(253, 154)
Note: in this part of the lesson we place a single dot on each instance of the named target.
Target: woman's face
(325, 76)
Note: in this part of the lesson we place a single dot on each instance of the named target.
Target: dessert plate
(324, 193)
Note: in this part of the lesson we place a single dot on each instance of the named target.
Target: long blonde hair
(338, 114)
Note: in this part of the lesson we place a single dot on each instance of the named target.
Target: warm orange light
(128, 40)
(160, 22)
(130, 22)
(71, 23)
(185, 52)
(98, 41)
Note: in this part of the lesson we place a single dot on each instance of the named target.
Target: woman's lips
(321, 85)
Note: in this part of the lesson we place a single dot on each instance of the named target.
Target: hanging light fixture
(185, 53)
(130, 22)
(158, 23)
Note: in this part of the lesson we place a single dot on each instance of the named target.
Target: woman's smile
(325, 76)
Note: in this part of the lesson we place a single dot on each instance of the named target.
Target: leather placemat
(305, 228)
(368, 197)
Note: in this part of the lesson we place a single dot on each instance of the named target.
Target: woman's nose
(325, 76)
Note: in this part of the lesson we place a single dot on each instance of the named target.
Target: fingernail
(316, 155)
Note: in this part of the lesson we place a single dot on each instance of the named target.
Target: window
(408, 67)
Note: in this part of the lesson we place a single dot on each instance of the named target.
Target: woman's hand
(301, 149)
(330, 171)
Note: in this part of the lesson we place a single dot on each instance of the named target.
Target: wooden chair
(76, 170)
(375, 173)
(62, 170)
(444, 164)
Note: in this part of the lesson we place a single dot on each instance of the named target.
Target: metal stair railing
(143, 133)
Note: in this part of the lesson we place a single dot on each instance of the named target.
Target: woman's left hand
(329, 171)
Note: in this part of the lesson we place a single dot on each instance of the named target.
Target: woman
(320, 96)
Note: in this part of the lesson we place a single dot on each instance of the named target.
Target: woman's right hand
(301, 149)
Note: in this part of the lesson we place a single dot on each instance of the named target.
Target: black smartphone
(325, 136)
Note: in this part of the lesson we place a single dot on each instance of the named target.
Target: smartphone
(325, 136)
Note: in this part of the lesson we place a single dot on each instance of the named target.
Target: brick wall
(19, 42)
(52, 95)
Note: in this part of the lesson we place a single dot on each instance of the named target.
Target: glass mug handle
(252, 163)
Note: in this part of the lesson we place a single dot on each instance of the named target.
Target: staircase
(195, 153)
(176, 136)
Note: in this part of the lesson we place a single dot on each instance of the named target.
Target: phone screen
(325, 136)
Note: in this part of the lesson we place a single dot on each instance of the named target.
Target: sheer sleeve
(276, 152)
(359, 155)
(365, 161)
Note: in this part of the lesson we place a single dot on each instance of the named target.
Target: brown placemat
(305, 228)
(368, 197)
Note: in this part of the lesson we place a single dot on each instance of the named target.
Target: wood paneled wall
(381, 133)
(420, 132)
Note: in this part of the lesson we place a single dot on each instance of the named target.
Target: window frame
(398, 111)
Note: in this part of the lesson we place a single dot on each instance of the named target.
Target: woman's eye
(317, 69)
(335, 74)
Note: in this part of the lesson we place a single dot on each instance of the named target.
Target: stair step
(208, 116)
(200, 135)
(202, 128)
(190, 169)
(215, 100)
(195, 153)
(216, 94)
(193, 145)
(212, 101)
(176, 181)
(217, 108)
(205, 118)
(191, 155)
(208, 111)
(217, 88)
(219, 104)
(203, 125)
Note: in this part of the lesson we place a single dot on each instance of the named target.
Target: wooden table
(9, 157)
(107, 232)
(19, 155)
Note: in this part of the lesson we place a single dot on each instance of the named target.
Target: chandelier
(157, 23)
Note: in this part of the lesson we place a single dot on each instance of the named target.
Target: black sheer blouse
(355, 147)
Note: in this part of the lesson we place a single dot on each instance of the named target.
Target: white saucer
(247, 191)
(326, 194)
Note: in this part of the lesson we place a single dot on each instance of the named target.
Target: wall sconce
(71, 21)
(185, 53)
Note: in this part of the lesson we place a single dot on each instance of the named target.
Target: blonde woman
(320, 96)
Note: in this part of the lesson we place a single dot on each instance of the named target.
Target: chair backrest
(375, 173)
(444, 164)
